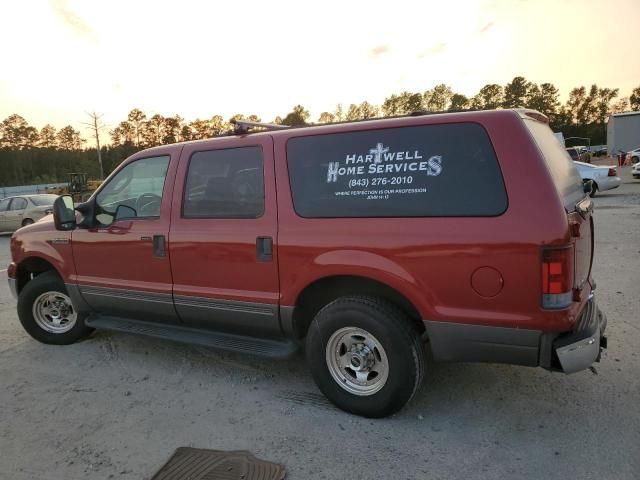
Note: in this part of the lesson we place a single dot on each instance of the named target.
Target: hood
(44, 224)
(36, 239)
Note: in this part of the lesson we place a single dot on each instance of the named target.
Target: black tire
(27, 221)
(43, 283)
(399, 339)
(594, 189)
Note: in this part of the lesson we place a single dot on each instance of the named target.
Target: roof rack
(242, 127)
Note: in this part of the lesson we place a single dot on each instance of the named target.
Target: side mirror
(124, 211)
(587, 185)
(64, 214)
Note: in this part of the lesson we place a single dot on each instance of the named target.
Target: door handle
(264, 249)
(159, 246)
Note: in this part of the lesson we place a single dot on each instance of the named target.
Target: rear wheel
(47, 313)
(365, 355)
(27, 221)
(594, 189)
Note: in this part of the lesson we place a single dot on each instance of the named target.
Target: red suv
(469, 233)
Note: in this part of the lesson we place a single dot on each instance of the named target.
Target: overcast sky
(61, 58)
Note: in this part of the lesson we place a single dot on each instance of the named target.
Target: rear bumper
(568, 352)
(578, 349)
(608, 183)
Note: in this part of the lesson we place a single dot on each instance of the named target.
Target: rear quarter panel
(431, 260)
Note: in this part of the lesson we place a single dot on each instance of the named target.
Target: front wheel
(365, 355)
(47, 314)
(594, 189)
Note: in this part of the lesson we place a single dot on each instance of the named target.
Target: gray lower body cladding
(458, 342)
(569, 352)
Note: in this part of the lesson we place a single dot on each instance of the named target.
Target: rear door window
(19, 204)
(422, 171)
(225, 183)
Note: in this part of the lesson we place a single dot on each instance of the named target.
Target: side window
(138, 186)
(19, 204)
(225, 183)
(420, 171)
(4, 204)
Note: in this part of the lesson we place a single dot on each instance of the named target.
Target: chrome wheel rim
(357, 361)
(54, 312)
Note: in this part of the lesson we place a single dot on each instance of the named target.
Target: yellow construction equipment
(78, 186)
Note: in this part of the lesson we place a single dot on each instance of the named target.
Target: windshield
(43, 200)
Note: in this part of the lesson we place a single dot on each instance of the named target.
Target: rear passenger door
(223, 236)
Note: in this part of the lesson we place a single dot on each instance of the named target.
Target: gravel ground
(117, 405)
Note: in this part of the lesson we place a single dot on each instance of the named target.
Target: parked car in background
(579, 154)
(603, 178)
(635, 170)
(634, 155)
(600, 151)
(16, 212)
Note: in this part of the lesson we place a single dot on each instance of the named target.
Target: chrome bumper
(577, 350)
(13, 286)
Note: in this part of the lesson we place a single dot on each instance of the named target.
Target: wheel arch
(324, 290)
(31, 267)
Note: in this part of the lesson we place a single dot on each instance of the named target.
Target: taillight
(612, 172)
(557, 277)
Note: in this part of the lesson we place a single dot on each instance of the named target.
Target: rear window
(572, 153)
(423, 171)
(564, 173)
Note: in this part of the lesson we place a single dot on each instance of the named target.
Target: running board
(223, 341)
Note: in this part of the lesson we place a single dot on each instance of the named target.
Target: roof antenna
(242, 127)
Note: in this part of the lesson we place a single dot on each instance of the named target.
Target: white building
(623, 132)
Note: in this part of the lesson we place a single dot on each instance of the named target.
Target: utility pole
(96, 124)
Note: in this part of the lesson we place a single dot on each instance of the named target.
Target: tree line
(29, 155)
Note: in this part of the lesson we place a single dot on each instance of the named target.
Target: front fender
(41, 240)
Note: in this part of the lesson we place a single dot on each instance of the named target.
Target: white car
(635, 170)
(16, 212)
(604, 178)
(634, 155)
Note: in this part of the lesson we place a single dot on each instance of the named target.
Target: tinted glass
(19, 204)
(138, 186)
(563, 171)
(431, 170)
(225, 183)
(4, 204)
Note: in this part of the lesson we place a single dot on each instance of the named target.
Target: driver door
(122, 264)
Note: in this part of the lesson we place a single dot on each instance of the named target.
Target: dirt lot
(116, 405)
